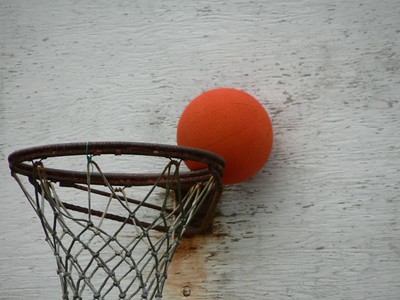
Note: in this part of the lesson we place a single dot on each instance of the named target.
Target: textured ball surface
(232, 124)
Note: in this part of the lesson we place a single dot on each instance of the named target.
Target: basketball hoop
(114, 234)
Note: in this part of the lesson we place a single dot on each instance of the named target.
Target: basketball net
(122, 250)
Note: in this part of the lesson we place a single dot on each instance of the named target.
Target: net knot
(89, 156)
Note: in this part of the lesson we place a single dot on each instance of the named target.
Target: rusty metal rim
(20, 161)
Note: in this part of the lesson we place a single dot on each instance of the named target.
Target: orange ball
(232, 124)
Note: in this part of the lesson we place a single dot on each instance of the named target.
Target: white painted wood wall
(321, 221)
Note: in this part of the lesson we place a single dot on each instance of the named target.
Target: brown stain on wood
(187, 272)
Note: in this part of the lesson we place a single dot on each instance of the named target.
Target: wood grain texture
(321, 221)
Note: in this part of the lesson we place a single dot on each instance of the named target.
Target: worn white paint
(321, 221)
